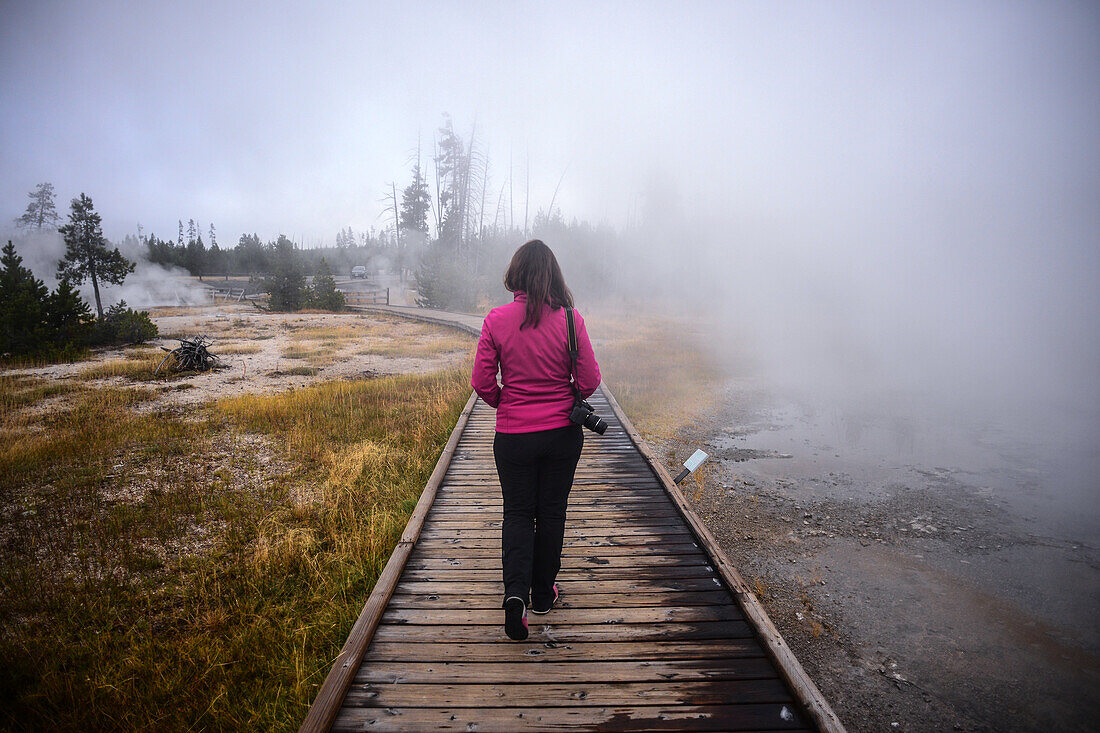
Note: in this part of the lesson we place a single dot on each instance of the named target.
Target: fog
(891, 202)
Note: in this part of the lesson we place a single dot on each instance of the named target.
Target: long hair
(535, 271)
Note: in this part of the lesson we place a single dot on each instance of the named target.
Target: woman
(536, 446)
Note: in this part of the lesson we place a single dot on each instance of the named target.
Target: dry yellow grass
(657, 369)
(424, 348)
(236, 348)
(236, 631)
(137, 365)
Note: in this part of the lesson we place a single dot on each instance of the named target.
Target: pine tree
(70, 318)
(86, 254)
(323, 294)
(41, 211)
(287, 282)
(23, 299)
(416, 202)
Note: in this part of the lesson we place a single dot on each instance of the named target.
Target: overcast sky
(280, 117)
(910, 186)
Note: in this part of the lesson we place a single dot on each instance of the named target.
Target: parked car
(359, 271)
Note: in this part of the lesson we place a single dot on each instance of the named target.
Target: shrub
(324, 295)
(123, 325)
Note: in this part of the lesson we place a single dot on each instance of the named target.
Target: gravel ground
(916, 596)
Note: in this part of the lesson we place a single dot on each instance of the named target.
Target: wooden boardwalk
(654, 629)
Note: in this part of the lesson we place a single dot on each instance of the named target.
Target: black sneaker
(552, 603)
(515, 618)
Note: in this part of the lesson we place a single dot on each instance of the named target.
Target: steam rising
(149, 285)
(893, 203)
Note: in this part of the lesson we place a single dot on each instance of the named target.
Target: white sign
(696, 460)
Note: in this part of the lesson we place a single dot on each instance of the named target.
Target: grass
(424, 348)
(135, 365)
(658, 371)
(168, 574)
(237, 348)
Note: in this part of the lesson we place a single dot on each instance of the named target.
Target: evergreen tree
(41, 211)
(287, 282)
(252, 255)
(452, 165)
(416, 202)
(196, 255)
(179, 240)
(23, 299)
(70, 318)
(323, 294)
(86, 254)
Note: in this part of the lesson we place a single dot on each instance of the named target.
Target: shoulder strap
(571, 343)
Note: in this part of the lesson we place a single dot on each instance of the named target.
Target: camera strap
(571, 332)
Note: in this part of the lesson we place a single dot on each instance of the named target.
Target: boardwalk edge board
(804, 689)
(326, 705)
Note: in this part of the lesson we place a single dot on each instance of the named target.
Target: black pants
(536, 472)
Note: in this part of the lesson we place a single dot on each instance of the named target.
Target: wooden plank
(567, 575)
(564, 616)
(486, 530)
(807, 693)
(631, 670)
(326, 705)
(664, 585)
(764, 716)
(570, 542)
(426, 562)
(382, 652)
(581, 549)
(539, 695)
(569, 599)
(565, 633)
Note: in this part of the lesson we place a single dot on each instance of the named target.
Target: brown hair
(535, 271)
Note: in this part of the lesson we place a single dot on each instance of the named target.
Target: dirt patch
(273, 352)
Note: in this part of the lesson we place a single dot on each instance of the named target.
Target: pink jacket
(534, 368)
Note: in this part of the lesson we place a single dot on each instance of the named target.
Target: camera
(583, 414)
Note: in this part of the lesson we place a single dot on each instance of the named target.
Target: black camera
(583, 414)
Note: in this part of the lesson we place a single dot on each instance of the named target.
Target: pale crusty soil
(408, 348)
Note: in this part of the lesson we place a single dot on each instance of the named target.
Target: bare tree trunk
(527, 194)
(396, 220)
(95, 287)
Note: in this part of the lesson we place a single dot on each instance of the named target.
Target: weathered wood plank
(567, 575)
(542, 631)
(572, 529)
(557, 694)
(569, 599)
(765, 716)
(598, 669)
(426, 562)
(577, 651)
(563, 616)
(617, 540)
(452, 550)
(641, 585)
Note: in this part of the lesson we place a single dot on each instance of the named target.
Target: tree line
(37, 322)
